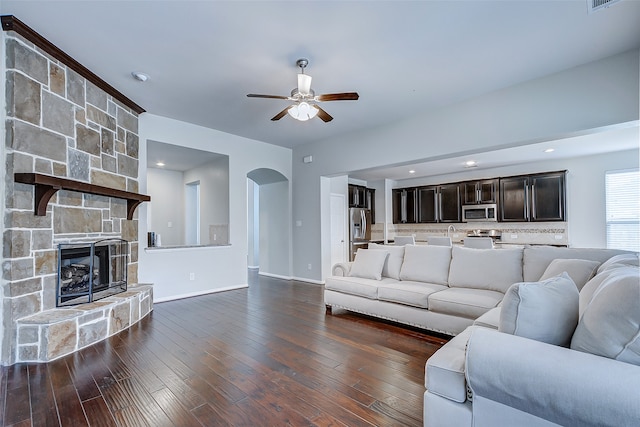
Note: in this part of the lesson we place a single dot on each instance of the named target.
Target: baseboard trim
(298, 279)
(275, 276)
(305, 279)
(196, 294)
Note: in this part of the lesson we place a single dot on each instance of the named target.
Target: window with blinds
(623, 209)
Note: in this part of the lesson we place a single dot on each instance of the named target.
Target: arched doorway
(269, 222)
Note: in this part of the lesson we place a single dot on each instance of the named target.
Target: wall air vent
(595, 5)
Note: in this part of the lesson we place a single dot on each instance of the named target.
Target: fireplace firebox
(91, 271)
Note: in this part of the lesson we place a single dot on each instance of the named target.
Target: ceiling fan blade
(346, 96)
(253, 95)
(280, 115)
(324, 116)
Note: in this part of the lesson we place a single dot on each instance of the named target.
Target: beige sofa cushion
(492, 269)
(445, 370)
(415, 294)
(610, 324)
(491, 319)
(423, 263)
(464, 302)
(545, 311)
(580, 270)
(536, 259)
(368, 264)
(630, 259)
(367, 288)
(393, 263)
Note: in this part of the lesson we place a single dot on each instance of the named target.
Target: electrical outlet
(169, 224)
(215, 237)
(558, 236)
(308, 266)
(192, 276)
(514, 236)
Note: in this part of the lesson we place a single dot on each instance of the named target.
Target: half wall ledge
(55, 333)
(47, 186)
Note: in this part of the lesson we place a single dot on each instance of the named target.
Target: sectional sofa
(558, 346)
(440, 288)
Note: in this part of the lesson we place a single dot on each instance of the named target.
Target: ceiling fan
(305, 101)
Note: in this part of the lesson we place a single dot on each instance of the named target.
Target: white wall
(214, 268)
(214, 194)
(569, 102)
(253, 224)
(275, 229)
(167, 205)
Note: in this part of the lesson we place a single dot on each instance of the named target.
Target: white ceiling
(203, 57)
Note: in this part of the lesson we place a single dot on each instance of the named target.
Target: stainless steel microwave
(471, 213)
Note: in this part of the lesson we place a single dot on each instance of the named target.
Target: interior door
(338, 229)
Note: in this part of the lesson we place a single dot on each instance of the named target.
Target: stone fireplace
(63, 122)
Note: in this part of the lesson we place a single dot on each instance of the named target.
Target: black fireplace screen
(91, 271)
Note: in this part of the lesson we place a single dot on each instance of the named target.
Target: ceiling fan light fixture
(303, 111)
(304, 84)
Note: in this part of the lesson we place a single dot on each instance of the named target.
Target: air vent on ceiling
(595, 5)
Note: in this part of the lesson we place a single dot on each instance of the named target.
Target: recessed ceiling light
(159, 164)
(412, 171)
(141, 77)
(470, 163)
(549, 150)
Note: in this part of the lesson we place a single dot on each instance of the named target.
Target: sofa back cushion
(424, 263)
(580, 270)
(545, 311)
(610, 324)
(492, 269)
(368, 264)
(536, 259)
(393, 263)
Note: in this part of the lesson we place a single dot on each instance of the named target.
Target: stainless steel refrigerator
(359, 230)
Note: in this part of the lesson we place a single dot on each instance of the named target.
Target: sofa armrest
(341, 269)
(564, 386)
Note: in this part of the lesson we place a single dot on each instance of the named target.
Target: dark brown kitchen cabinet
(449, 203)
(548, 197)
(404, 205)
(370, 202)
(539, 197)
(427, 204)
(480, 192)
(357, 196)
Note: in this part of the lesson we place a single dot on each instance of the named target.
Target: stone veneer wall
(58, 123)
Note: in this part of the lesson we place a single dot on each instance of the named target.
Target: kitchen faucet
(450, 229)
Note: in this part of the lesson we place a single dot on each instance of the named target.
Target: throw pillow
(424, 263)
(393, 264)
(618, 260)
(610, 324)
(368, 264)
(545, 311)
(580, 270)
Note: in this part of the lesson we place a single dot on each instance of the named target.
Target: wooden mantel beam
(47, 186)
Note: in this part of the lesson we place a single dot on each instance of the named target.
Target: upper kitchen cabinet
(427, 204)
(539, 197)
(449, 203)
(548, 197)
(440, 203)
(480, 192)
(357, 196)
(404, 205)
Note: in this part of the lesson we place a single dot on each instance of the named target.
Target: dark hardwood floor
(263, 356)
